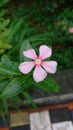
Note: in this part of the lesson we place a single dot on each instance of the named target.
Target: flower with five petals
(41, 66)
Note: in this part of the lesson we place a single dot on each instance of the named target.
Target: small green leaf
(13, 88)
(49, 84)
(5, 60)
(28, 83)
(7, 71)
(40, 37)
(15, 28)
(11, 64)
(4, 45)
(25, 46)
(2, 13)
(3, 84)
(4, 24)
(2, 51)
(24, 32)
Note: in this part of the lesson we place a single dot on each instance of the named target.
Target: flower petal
(26, 67)
(45, 52)
(30, 54)
(50, 66)
(71, 29)
(39, 74)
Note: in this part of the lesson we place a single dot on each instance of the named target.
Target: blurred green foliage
(51, 17)
(4, 30)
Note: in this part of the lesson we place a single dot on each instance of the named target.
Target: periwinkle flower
(41, 66)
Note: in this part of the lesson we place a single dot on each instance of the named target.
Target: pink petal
(50, 66)
(39, 74)
(26, 67)
(30, 54)
(45, 52)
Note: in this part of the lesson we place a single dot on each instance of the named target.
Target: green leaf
(3, 84)
(2, 51)
(4, 34)
(30, 100)
(40, 37)
(28, 84)
(3, 2)
(25, 46)
(5, 45)
(7, 62)
(13, 88)
(4, 24)
(15, 27)
(49, 84)
(5, 104)
(24, 32)
(2, 13)
(7, 71)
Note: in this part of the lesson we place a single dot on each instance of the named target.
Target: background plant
(4, 30)
(53, 17)
(31, 25)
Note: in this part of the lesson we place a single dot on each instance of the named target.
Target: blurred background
(40, 22)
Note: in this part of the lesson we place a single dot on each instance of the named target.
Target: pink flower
(71, 30)
(41, 66)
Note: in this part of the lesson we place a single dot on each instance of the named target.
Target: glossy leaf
(13, 88)
(3, 84)
(5, 60)
(11, 64)
(25, 46)
(5, 70)
(49, 84)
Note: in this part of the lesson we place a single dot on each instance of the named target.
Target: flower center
(38, 61)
